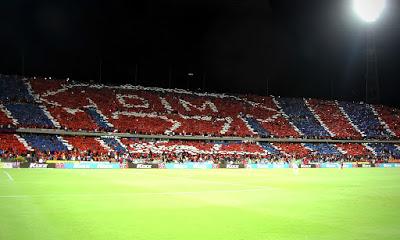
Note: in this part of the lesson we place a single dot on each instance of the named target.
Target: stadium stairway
(383, 149)
(292, 149)
(99, 119)
(256, 127)
(302, 117)
(318, 117)
(10, 142)
(330, 116)
(252, 131)
(73, 119)
(323, 148)
(23, 141)
(269, 148)
(65, 142)
(85, 144)
(13, 89)
(364, 118)
(382, 122)
(45, 143)
(391, 117)
(5, 117)
(353, 149)
(282, 126)
(114, 144)
(341, 109)
(29, 115)
(240, 148)
(50, 117)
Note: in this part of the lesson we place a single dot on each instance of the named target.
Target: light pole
(369, 11)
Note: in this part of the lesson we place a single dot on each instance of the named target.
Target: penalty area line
(10, 178)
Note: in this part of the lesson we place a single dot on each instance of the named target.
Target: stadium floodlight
(369, 10)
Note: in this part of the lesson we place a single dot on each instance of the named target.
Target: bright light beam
(369, 10)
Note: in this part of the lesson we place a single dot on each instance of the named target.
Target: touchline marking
(134, 194)
(9, 176)
(14, 196)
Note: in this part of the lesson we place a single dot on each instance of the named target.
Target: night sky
(296, 48)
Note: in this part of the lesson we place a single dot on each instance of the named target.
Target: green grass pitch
(218, 204)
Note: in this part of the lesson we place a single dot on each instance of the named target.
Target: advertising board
(91, 165)
(38, 165)
(143, 165)
(267, 165)
(9, 164)
(388, 165)
(188, 165)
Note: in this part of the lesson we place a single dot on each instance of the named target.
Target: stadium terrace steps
(349, 119)
(104, 144)
(226, 126)
(43, 85)
(65, 142)
(239, 127)
(166, 105)
(292, 149)
(144, 110)
(28, 86)
(192, 147)
(256, 127)
(323, 148)
(73, 119)
(99, 119)
(50, 117)
(390, 118)
(11, 142)
(6, 117)
(353, 149)
(365, 119)
(29, 115)
(85, 144)
(248, 125)
(382, 122)
(371, 149)
(45, 143)
(317, 116)
(286, 123)
(383, 149)
(13, 89)
(241, 148)
(330, 115)
(271, 149)
(114, 144)
(23, 141)
(302, 117)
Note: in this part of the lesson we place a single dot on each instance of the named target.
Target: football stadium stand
(155, 121)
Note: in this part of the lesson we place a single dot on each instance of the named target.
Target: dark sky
(300, 48)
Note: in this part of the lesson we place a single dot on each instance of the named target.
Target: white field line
(14, 196)
(9, 176)
(134, 194)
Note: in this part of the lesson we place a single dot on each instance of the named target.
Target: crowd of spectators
(140, 110)
(141, 151)
(72, 106)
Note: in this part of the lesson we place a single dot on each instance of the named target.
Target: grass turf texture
(199, 204)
